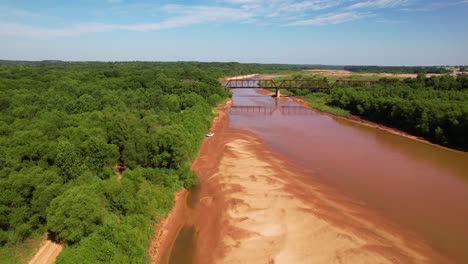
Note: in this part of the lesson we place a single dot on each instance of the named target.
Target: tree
(68, 161)
(99, 154)
(75, 214)
(170, 147)
(214, 99)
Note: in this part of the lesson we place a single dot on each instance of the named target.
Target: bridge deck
(296, 84)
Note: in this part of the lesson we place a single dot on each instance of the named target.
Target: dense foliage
(64, 126)
(397, 69)
(435, 108)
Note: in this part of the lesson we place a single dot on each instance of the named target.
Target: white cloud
(433, 6)
(244, 1)
(310, 5)
(21, 13)
(330, 19)
(377, 4)
(184, 17)
(255, 12)
(26, 30)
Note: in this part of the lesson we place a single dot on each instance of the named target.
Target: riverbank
(255, 206)
(166, 230)
(358, 120)
(186, 205)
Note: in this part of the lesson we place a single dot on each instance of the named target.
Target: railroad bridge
(313, 85)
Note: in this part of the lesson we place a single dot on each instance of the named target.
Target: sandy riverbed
(256, 207)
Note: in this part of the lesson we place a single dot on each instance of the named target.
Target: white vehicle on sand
(209, 134)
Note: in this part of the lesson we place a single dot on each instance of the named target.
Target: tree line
(63, 128)
(435, 108)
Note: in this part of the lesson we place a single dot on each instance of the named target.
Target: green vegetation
(434, 108)
(317, 100)
(63, 126)
(21, 252)
(397, 69)
(321, 101)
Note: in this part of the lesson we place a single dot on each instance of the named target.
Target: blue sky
(370, 32)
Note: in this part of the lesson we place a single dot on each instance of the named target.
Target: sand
(275, 216)
(345, 73)
(255, 206)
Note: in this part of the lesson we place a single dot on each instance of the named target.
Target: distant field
(335, 74)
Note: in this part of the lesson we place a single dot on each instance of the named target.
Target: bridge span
(313, 85)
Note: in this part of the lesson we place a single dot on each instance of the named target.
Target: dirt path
(47, 253)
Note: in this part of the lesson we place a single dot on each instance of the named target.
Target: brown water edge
(358, 120)
(167, 229)
(421, 187)
(210, 226)
(173, 234)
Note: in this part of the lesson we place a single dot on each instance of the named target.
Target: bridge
(313, 85)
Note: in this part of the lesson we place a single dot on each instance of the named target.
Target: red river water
(420, 187)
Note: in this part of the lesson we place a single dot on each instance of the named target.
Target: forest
(434, 108)
(64, 126)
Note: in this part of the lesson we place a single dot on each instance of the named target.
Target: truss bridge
(313, 85)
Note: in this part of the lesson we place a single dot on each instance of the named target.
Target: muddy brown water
(420, 187)
(184, 246)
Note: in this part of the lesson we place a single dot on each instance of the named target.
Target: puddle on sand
(193, 196)
(184, 246)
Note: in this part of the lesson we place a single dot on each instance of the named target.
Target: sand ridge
(268, 223)
(254, 206)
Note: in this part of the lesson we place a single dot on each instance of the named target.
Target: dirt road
(47, 253)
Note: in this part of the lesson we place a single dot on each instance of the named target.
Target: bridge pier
(278, 93)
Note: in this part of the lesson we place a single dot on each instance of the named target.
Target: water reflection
(270, 110)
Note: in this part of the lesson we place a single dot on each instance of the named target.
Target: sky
(338, 32)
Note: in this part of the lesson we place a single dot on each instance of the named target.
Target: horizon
(261, 63)
(297, 32)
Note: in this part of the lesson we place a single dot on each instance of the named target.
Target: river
(421, 188)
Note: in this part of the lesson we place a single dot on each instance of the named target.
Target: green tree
(75, 214)
(68, 161)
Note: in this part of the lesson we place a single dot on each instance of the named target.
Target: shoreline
(167, 229)
(230, 211)
(358, 120)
